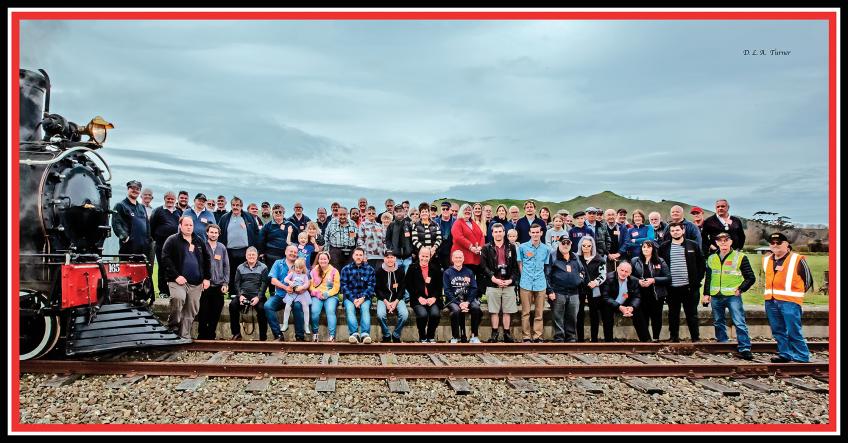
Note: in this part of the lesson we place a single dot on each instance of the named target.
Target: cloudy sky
(318, 111)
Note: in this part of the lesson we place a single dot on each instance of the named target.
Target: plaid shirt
(339, 236)
(358, 281)
(372, 238)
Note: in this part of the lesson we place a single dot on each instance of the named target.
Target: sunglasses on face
(775, 242)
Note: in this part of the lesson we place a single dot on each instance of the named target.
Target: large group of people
(443, 258)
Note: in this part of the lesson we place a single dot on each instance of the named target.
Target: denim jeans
(785, 320)
(564, 314)
(329, 306)
(737, 314)
(405, 263)
(275, 304)
(402, 315)
(364, 326)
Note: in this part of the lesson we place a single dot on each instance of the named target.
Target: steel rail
(190, 369)
(466, 348)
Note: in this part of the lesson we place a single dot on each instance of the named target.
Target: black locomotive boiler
(73, 298)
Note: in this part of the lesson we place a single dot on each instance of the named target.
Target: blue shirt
(622, 289)
(279, 271)
(533, 259)
(200, 221)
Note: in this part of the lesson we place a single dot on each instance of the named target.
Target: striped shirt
(679, 273)
(426, 235)
(338, 236)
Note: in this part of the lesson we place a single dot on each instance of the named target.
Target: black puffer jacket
(659, 272)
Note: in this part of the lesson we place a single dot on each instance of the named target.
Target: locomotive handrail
(64, 154)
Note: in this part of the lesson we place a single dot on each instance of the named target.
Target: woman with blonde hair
(324, 288)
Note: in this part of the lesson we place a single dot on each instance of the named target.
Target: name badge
(351, 234)
(394, 286)
(656, 266)
(567, 268)
(625, 296)
(529, 254)
(427, 280)
(635, 234)
(779, 268)
(190, 248)
(406, 234)
(203, 220)
(615, 233)
(243, 226)
(217, 256)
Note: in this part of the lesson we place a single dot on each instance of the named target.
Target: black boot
(494, 338)
(508, 337)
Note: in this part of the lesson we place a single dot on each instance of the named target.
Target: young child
(298, 278)
(512, 237)
(304, 248)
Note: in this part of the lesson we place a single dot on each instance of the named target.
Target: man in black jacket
(164, 222)
(499, 266)
(399, 238)
(621, 294)
(719, 222)
(238, 232)
(248, 290)
(130, 222)
(186, 262)
(686, 266)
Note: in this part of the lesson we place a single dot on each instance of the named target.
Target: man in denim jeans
(358, 281)
(278, 273)
(728, 275)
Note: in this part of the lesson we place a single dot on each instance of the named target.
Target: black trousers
(259, 311)
(638, 318)
(339, 257)
(653, 309)
(596, 306)
(162, 280)
(428, 318)
(688, 299)
(211, 303)
(458, 318)
(236, 257)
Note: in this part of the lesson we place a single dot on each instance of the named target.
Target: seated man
(390, 288)
(249, 283)
(358, 281)
(621, 294)
(460, 285)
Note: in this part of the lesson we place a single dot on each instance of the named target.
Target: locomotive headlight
(97, 128)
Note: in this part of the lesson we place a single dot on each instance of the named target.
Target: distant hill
(755, 232)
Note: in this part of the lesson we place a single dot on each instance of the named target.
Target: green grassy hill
(603, 200)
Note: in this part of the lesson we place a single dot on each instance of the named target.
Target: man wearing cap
(446, 221)
(579, 230)
(622, 218)
(788, 277)
(698, 218)
(200, 215)
(722, 221)
(602, 235)
(389, 290)
(221, 209)
(130, 222)
(690, 231)
(266, 216)
(727, 276)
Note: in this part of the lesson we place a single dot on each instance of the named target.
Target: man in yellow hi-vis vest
(787, 279)
(728, 275)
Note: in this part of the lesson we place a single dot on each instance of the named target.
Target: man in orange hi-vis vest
(787, 279)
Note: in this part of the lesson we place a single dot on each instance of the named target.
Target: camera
(502, 272)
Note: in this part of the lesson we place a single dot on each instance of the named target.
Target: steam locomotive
(73, 298)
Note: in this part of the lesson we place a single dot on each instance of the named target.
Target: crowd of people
(435, 258)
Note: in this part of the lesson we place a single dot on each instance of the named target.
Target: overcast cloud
(318, 111)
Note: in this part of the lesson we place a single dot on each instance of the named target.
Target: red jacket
(465, 237)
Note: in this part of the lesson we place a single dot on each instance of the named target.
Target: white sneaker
(474, 340)
(366, 339)
(454, 340)
(315, 337)
(285, 325)
(432, 340)
(425, 341)
(354, 338)
(331, 339)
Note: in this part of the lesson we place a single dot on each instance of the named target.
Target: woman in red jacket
(468, 238)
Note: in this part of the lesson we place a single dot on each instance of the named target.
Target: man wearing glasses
(719, 222)
(446, 220)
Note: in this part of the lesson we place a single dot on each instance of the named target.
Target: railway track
(632, 363)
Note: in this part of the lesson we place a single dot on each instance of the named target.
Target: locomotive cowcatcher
(71, 294)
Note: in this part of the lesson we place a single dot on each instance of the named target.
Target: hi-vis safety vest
(726, 275)
(784, 283)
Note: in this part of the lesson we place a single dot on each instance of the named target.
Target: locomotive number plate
(114, 268)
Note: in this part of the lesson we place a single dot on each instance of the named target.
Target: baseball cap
(578, 214)
(722, 235)
(388, 253)
(446, 204)
(777, 236)
(266, 204)
(592, 210)
(564, 240)
(134, 184)
(200, 196)
(621, 211)
(696, 210)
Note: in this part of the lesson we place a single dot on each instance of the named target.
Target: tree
(773, 219)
